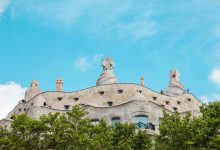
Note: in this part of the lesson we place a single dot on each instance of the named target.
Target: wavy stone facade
(124, 101)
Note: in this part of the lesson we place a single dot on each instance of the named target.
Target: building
(112, 101)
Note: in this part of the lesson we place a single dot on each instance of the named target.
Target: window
(178, 102)
(95, 121)
(120, 91)
(66, 106)
(101, 93)
(154, 98)
(115, 121)
(189, 99)
(19, 110)
(139, 91)
(76, 99)
(59, 98)
(141, 121)
(25, 109)
(110, 103)
(32, 104)
(174, 108)
(167, 102)
(23, 101)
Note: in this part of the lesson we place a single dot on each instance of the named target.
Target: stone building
(112, 101)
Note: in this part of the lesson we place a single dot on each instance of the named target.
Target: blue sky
(46, 40)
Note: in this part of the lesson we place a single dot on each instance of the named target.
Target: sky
(45, 40)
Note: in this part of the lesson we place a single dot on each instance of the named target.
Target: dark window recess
(95, 121)
(162, 105)
(154, 98)
(32, 104)
(25, 109)
(115, 121)
(167, 102)
(189, 99)
(120, 91)
(12, 117)
(110, 103)
(19, 109)
(174, 108)
(66, 106)
(139, 91)
(101, 92)
(76, 98)
(45, 104)
(59, 98)
(178, 102)
(23, 101)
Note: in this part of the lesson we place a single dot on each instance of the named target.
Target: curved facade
(113, 102)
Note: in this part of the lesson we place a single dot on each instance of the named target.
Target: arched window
(141, 122)
(115, 120)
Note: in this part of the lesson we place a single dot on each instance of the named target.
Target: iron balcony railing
(141, 125)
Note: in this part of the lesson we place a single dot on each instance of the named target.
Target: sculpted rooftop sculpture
(175, 86)
(107, 77)
(32, 91)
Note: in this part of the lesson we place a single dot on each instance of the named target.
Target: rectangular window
(59, 98)
(120, 91)
(110, 103)
(115, 121)
(141, 122)
(66, 106)
(76, 99)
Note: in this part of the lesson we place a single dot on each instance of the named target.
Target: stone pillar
(142, 81)
(59, 85)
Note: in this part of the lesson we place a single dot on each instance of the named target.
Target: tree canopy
(190, 132)
(73, 131)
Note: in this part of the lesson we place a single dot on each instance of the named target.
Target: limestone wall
(100, 96)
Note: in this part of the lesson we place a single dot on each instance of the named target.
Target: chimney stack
(142, 81)
(59, 85)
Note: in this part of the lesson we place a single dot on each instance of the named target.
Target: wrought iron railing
(141, 125)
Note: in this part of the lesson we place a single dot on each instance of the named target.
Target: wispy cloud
(215, 76)
(213, 97)
(123, 19)
(10, 94)
(3, 5)
(86, 63)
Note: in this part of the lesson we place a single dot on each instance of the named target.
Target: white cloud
(3, 5)
(121, 19)
(211, 98)
(85, 63)
(215, 76)
(10, 94)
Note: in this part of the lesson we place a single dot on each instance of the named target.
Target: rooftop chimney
(142, 81)
(59, 85)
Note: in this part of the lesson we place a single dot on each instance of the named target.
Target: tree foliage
(70, 131)
(73, 131)
(190, 132)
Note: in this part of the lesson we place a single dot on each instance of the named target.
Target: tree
(191, 132)
(71, 130)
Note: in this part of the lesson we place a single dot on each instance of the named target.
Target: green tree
(71, 131)
(191, 132)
